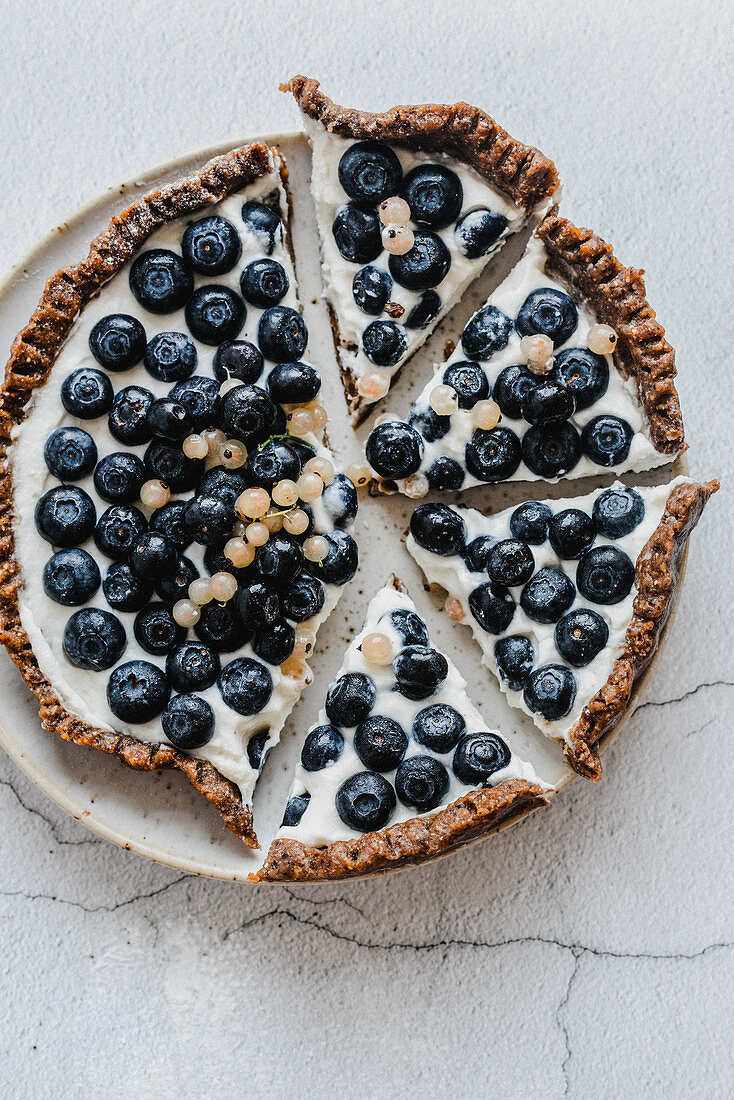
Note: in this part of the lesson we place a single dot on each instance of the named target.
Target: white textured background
(586, 953)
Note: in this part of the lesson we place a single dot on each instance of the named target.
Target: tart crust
(32, 355)
(459, 130)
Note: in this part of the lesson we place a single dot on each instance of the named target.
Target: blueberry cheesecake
(563, 373)
(401, 766)
(411, 205)
(566, 598)
(173, 528)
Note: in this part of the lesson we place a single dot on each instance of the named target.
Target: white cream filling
(321, 824)
(82, 692)
(452, 574)
(338, 273)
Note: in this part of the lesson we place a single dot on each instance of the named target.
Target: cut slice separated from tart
(401, 767)
(564, 372)
(566, 598)
(411, 205)
(173, 528)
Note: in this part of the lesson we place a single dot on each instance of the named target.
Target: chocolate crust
(617, 295)
(407, 843)
(32, 356)
(656, 579)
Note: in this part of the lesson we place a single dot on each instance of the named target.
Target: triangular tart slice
(566, 598)
(411, 205)
(564, 372)
(401, 767)
(152, 405)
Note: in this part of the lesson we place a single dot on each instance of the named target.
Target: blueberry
(153, 556)
(256, 749)
(293, 383)
(419, 671)
(200, 397)
(211, 245)
(617, 511)
(94, 639)
(118, 477)
(340, 563)
(215, 313)
(117, 341)
(282, 334)
(263, 283)
(511, 387)
(434, 194)
(438, 528)
(529, 522)
(349, 699)
(380, 743)
(170, 356)
(323, 746)
(580, 635)
(547, 595)
(123, 590)
(384, 343)
(492, 607)
(258, 605)
(65, 516)
(486, 333)
(263, 222)
(169, 521)
(551, 450)
(478, 756)
(87, 393)
(169, 464)
(510, 562)
(304, 598)
(605, 574)
(192, 666)
(215, 562)
(223, 483)
(469, 381)
(117, 529)
(408, 625)
(425, 310)
(279, 561)
(274, 643)
(478, 231)
(424, 266)
(438, 727)
(445, 473)
(550, 691)
(128, 417)
(585, 374)
(422, 783)
(493, 455)
(371, 289)
(476, 553)
(239, 359)
(176, 586)
(430, 425)
(71, 577)
(70, 453)
(209, 519)
(273, 462)
(340, 501)
(607, 440)
(168, 419)
(548, 402)
(220, 628)
(188, 722)
(137, 691)
(365, 801)
(246, 685)
(246, 411)
(369, 171)
(356, 232)
(547, 311)
(295, 808)
(156, 629)
(515, 657)
(160, 281)
(571, 532)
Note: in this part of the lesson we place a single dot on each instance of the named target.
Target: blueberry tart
(566, 598)
(400, 767)
(173, 528)
(411, 205)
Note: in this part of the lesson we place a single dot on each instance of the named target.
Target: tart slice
(173, 530)
(401, 766)
(566, 598)
(564, 372)
(411, 205)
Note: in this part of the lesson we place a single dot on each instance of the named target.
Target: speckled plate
(159, 816)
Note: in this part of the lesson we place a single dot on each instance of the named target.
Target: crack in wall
(48, 821)
(686, 694)
(562, 1004)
